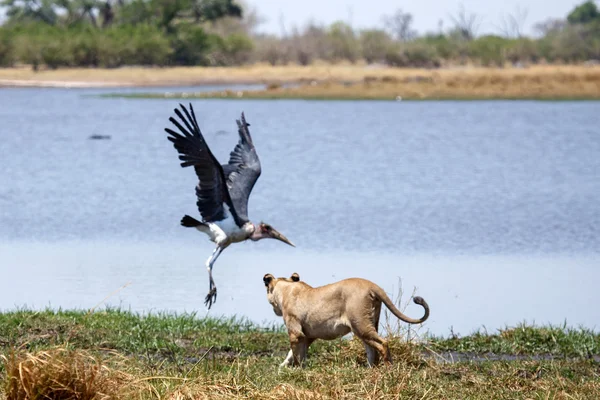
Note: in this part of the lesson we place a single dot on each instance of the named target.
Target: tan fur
(331, 311)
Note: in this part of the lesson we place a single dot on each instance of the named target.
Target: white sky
(426, 13)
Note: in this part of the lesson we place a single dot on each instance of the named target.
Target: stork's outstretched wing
(211, 190)
(242, 171)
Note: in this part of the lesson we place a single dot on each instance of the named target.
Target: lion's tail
(388, 303)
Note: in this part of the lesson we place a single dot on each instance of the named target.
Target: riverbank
(124, 355)
(334, 81)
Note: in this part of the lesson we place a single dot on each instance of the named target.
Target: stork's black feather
(219, 186)
(211, 191)
(242, 171)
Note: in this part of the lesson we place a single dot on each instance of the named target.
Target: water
(489, 209)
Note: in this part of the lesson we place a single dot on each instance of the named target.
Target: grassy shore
(117, 354)
(337, 81)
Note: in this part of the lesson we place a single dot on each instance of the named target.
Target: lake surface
(489, 209)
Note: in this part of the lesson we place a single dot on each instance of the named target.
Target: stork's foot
(211, 297)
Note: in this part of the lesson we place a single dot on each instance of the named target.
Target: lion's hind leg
(372, 355)
(375, 345)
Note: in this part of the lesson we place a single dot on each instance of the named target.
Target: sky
(426, 13)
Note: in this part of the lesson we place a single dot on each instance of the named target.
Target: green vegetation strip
(67, 33)
(184, 356)
(187, 333)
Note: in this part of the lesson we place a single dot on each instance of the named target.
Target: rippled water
(489, 208)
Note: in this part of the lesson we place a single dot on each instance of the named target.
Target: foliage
(584, 13)
(108, 33)
(7, 50)
(399, 25)
(191, 45)
(525, 339)
(489, 50)
(83, 46)
(374, 44)
(343, 42)
(234, 49)
(68, 33)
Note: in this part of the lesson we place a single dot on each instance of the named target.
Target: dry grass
(343, 81)
(61, 373)
(538, 83)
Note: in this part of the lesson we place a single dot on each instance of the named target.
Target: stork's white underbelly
(226, 231)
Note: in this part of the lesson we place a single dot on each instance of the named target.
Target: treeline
(112, 33)
(108, 33)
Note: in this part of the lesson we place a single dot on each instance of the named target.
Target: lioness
(332, 311)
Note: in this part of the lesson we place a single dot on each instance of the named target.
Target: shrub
(489, 50)
(374, 45)
(84, 46)
(7, 51)
(570, 45)
(234, 49)
(269, 49)
(191, 45)
(523, 50)
(445, 47)
(342, 42)
(147, 45)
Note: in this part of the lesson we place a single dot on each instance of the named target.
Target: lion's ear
(295, 277)
(267, 279)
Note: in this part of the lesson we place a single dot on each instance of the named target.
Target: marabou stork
(222, 190)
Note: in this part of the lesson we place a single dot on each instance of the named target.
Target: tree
(31, 10)
(212, 10)
(584, 13)
(161, 13)
(512, 25)
(375, 44)
(342, 41)
(550, 26)
(399, 25)
(465, 24)
(228, 25)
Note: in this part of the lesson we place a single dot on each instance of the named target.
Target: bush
(342, 42)
(523, 50)
(394, 57)
(191, 45)
(234, 49)
(489, 50)
(570, 45)
(7, 50)
(412, 54)
(374, 45)
(445, 47)
(147, 45)
(46, 45)
(419, 55)
(85, 47)
(269, 49)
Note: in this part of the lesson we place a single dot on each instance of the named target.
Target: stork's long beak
(276, 235)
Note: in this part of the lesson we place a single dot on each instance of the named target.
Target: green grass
(526, 340)
(182, 356)
(127, 332)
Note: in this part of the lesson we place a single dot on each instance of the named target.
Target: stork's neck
(257, 234)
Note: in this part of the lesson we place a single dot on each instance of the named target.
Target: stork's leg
(211, 297)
